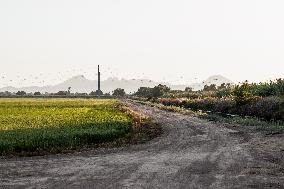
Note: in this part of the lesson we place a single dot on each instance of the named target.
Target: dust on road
(191, 153)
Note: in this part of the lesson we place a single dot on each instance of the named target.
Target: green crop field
(34, 125)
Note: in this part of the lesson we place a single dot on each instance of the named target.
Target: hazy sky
(167, 40)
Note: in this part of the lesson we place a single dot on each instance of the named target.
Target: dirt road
(191, 153)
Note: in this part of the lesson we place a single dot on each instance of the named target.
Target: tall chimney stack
(99, 79)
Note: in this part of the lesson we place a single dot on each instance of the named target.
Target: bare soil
(191, 153)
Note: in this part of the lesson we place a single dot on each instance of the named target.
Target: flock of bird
(42, 79)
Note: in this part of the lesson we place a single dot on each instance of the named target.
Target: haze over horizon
(180, 42)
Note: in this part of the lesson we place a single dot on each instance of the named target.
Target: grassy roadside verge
(266, 127)
(143, 127)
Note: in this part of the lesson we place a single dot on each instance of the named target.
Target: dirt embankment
(191, 153)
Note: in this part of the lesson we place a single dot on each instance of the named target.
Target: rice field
(34, 125)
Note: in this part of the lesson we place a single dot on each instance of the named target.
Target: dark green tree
(160, 90)
(188, 89)
(144, 92)
(37, 93)
(119, 92)
(211, 87)
(21, 93)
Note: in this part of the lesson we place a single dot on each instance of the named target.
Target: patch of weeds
(268, 127)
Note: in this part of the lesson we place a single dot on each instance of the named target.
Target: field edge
(143, 129)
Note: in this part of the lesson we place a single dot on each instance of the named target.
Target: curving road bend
(191, 153)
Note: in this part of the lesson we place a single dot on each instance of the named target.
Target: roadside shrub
(263, 89)
(242, 93)
(269, 108)
(224, 105)
(268, 89)
(201, 104)
(119, 92)
(169, 102)
(224, 92)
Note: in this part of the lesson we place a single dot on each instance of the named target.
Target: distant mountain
(215, 79)
(82, 85)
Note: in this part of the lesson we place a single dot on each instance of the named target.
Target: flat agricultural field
(33, 125)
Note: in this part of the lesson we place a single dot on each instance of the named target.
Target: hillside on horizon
(81, 84)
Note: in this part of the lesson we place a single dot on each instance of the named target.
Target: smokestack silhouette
(99, 92)
(99, 79)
